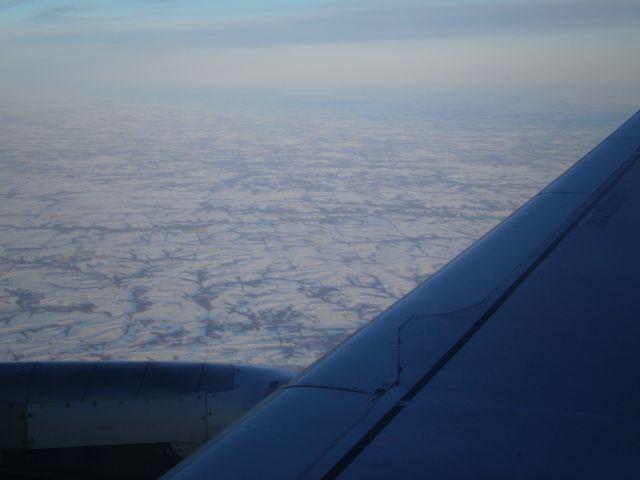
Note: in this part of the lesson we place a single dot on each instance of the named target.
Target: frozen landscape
(259, 234)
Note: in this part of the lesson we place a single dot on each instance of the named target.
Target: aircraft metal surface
(519, 359)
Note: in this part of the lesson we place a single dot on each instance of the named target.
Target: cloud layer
(561, 45)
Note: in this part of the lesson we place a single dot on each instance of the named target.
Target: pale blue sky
(579, 48)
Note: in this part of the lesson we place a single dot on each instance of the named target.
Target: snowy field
(260, 235)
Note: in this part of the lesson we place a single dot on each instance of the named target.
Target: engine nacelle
(70, 405)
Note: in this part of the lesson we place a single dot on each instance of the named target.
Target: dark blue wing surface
(519, 359)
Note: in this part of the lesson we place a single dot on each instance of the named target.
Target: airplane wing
(519, 359)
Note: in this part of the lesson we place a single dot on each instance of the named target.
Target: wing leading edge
(517, 359)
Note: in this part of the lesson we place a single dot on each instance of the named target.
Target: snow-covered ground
(259, 235)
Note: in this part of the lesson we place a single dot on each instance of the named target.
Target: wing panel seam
(381, 424)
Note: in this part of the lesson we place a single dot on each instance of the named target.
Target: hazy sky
(566, 48)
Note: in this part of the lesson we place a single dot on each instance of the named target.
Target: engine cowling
(46, 406)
